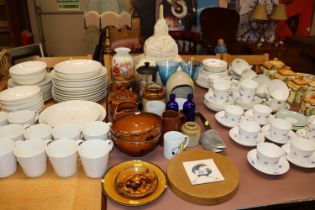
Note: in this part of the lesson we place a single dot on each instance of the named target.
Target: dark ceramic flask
(172, 104)
(189, 108)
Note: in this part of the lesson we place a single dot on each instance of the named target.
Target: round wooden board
(205, 194)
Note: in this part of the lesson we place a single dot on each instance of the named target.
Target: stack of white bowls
(79, 80)
(22, 97)
(212, 68)
(31, 73)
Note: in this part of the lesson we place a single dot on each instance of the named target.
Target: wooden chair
(187, 41)
(254, 60)
(25, 51)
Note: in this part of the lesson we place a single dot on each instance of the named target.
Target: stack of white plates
(22, 97)
(44, 85)
(29, 72)
(76, 112)
(79, 80)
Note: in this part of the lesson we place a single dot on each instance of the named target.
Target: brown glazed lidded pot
(137, 127)
(119, 96)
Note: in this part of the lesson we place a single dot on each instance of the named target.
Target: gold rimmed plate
(111, 191)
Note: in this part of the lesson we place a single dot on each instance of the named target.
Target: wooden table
(79, 192)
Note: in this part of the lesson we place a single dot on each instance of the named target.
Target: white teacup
(221, 90)
(12, 131)
(94, 156)
(96, 130)
(279, 128)
(233, 113)
(247, 90)
(156, 107)
(174, 143)
(31, 157)
(301, 148)
(261, 113)
(7, 158)
(276, 104)
(23, 117)
(66, 131)
(62, 154)
(268, 155)
(248, 130)
(3, 118)
(38, 131)
(311, 123)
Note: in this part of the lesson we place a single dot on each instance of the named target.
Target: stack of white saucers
(77, 112)
(79, 80)
(210, 67)
(29, 72)
(44, 85)
(22, 97)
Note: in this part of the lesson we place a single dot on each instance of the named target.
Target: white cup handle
(109, 124)
(36, 117)
(110, 144)
(79, 141)
(186, 141)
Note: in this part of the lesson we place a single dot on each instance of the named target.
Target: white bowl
(28, 68)
(80, 66)
(29, 80)
(18, 94)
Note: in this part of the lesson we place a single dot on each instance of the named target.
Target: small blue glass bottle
(189, 108)
(172, 104)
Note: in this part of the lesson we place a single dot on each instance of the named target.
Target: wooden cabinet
(13, 20)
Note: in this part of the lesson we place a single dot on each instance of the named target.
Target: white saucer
(248, 115)
(220, 117)
(217, 107)
(304, 132)
(234, 134)
(307, 163)
(282, 167)
(266, 131)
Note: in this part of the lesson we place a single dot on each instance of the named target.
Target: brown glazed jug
(153, 92)
(172, 121)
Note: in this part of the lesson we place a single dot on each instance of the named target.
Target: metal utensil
(210, 139)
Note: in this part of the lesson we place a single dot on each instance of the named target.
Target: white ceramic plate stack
(44, 85)
(211, 66)
(79, 80)
(76, 112)
(31, 73)
(22, 97)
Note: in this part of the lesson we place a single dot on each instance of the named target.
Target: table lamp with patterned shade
(260, 15)
(279, 14)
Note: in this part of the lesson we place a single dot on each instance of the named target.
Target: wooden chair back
(254, 60)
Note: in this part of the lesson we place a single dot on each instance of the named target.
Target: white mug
(31, 157)
(23, 117)
(3, 118)
(221, 91)
(62, 154)
(248, 130)
(261, 113)
(94, 156)
(268, 154)
(156, 107)
(247, 90)
(301, 148)
(12, 131)
(174, 143)
(38, 131)
(279, 128)
(233, 113)
(66, 131)
(7, 158)
(96, 130)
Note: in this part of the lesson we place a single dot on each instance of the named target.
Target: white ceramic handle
(110, 144)
(79, 141)
(109, 124)
(186, 141)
